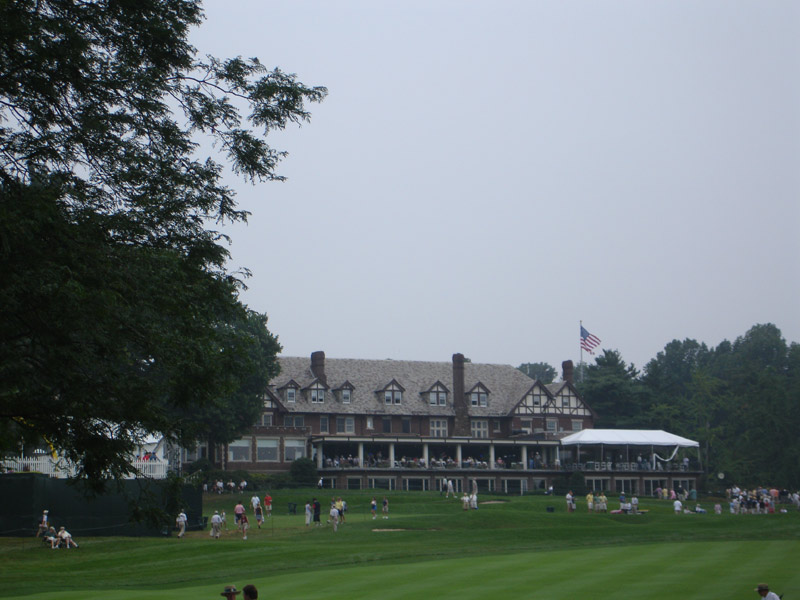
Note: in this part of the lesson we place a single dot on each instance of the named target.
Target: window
(437, 396)
(317, 394)
(480, 428)
(293, 449)
(479, 398)
(439, 428)
(406, 424)
(387, 424)
(577, 425)
(291, 394)
(266, 450)
(239, 450)
(552, 425)
(537, 400)
(266, 420)
(565, 401)
(345, 396)
(370, 424)
(293, 421)
(496, 425)
(393, 394)
(526, 425)
(323, 424)
(345, 425)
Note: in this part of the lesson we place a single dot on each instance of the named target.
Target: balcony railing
(62, 469)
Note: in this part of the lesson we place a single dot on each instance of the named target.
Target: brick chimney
(461, 427)
(318, 366)
(567, 371)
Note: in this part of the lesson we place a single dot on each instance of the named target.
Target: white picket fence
(152, 469)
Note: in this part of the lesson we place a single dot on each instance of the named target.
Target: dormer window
(317, 394)
(291, 395)
(393, 394)
(345, 396)
(479, 396)
(437, 396)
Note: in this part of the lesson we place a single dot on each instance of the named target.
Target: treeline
(740, 401)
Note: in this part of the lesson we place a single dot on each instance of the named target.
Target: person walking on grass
(373, 508)
(309, 513)
(385, 507)
(238, 513)
(180, 521)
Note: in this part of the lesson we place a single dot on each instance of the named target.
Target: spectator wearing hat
(230, 592)
(42, 524)
(763, 591)
(66, 538)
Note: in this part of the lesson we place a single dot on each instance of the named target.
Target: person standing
(569, 501)
(385, 507)
(259, 515)
(450, 489)
(216, 525)
(268, 504)
(238, 513)
(677, 505)
(245, 525)
(309, 513)
(763, 591)
(317, 510)
(180, 521)
(254, 502)
(590, 501)
(334, 514)
(373, 508)
(635, 504)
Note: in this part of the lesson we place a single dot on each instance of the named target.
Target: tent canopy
(627, 437)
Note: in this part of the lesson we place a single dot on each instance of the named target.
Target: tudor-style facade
(410, 424)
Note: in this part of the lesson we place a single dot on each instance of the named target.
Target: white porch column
(391, 455)
(558, 459)
(491, 456)
(458, 455)
(425, 455)
(524, 457)
(319, 456)
(360, 454)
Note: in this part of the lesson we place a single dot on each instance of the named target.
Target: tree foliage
(740, 401)
(540, 371)
(119, 316)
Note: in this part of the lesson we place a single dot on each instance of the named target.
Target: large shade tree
(119, 317)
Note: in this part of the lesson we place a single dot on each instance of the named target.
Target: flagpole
(581, 363)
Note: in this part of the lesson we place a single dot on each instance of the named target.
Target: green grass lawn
(429, 547)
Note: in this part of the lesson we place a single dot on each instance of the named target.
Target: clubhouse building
(413, 425)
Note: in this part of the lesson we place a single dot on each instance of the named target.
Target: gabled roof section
(289, 384)
(393, 382)
(439, 384)
(478, 387)
(316, 382)
(345, 386)
(506, 383)
(270, 395)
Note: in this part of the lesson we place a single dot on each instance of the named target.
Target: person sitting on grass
(65, 538)
(51, 537)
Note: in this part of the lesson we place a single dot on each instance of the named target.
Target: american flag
(588, 341)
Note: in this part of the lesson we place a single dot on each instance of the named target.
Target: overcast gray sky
(484, 175)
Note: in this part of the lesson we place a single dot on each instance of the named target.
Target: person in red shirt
(268, 504)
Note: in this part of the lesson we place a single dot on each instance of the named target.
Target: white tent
(627, 437)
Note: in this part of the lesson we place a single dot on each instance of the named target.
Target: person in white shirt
(216, 525)
(763, 591)
(66, 538)
(181, 523)
(678, 506)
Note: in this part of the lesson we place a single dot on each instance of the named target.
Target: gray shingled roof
(506, 386)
